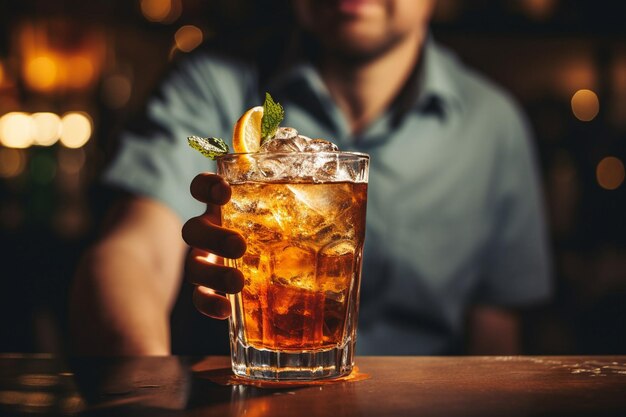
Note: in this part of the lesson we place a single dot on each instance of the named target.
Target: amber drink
(303, 216)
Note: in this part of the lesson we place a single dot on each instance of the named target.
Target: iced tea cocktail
(303, 216)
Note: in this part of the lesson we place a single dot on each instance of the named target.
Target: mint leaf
(209, 147)
(273, 114)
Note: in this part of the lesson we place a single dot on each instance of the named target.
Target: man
(455, 237)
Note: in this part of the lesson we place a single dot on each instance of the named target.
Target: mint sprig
(273, 114)
(209, 147)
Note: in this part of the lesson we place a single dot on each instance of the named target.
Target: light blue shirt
(454, 216)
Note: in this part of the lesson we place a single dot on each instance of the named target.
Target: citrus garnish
(247, 131)
(255, 126)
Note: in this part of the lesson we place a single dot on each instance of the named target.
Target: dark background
(543, 51)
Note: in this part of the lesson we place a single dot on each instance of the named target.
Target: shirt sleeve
(200, 96)
(518, 267)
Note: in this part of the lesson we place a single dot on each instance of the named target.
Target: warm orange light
(1, 74)
(188, 38)
(72, 403)
(47, 128)
(539, 9)
(610, 173)
(53, 60)
(37, 399)
(76, 129)
(38, 380)
(11, 397)
(162, 11)
(41, 73)
(12, 162)
(585, 105)
(16, 130)
(80, 71)
(156, 10)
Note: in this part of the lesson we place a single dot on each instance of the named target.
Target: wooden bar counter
(44, 385)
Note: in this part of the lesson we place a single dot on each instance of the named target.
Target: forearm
(119, 304)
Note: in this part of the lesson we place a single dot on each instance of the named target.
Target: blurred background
(71, 73)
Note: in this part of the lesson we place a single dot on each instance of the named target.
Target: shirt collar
(434, 83)
(436, 78)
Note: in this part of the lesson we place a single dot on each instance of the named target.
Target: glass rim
(234, 155)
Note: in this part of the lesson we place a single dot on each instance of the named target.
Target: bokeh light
(1, 74)
(155, 10)
(56, 57)
(47, 128)
(20, 130)
(585, 105)
(81, 71)
(575, 70)
(116, 91)
(161, 11)
(539, 9)
(12, 162)
(16, 130)
(188, 38)
(76, 129)
(41, 73)
(610, 173)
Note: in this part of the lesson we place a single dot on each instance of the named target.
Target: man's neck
(364, 90)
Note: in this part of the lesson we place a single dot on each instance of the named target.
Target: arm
(493, 331)
(517, 270)
(126, 284)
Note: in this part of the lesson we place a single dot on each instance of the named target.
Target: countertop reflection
(188, 386)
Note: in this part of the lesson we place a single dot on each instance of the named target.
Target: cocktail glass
(303, 216)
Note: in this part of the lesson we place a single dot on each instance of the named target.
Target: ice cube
(270, 167)
(345, 173)
(287, 139)
(335, 264)
(293, 144)
(319, 145)
(264, 231)
(294, 266)
(285, 133)
(309, 200)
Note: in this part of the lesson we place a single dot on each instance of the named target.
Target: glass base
(249, 362)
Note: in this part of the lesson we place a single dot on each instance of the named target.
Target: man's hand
(209, 242)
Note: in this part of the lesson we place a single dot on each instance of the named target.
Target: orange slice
(247, 131)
